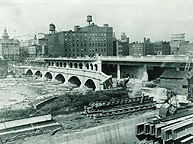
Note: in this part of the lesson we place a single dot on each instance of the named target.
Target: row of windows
(75, 34)
(83, 55)
(158, 49)
(90, 44)
(84, 50)
(90, 34)
(158, 45)
(90, 39)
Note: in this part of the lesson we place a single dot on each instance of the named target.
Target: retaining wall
(122, 132)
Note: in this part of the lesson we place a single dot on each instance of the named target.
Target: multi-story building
(185, 48)
(176, 40)
(90, 40)
(148, 47)
(161, 48)
(123, 45)
(9, 48)
(35, 47)
(141, 49)
(136, 49)
(42, 45)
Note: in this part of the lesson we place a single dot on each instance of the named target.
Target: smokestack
(144, 44)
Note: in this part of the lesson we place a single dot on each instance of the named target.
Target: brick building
(90, 40)
(123, 45)
(9, 48)
(136, 49)
(141, 49)
(161, 48)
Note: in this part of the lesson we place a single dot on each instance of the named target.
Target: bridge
(96, 73)
(80, 72)
(136, 66)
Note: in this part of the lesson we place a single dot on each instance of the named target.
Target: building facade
(185, 48)
(90, 41)
(9, 48)
(161, 48)
(123, 45)
(136, 49)
(176, 40)
(141, 49)
(34, 47)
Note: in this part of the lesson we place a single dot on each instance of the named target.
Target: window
(184, 86)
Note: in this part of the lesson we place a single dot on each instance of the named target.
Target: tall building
(148, 47)
(91, 40)
(9, 48)
(123, 45)
(176, 40)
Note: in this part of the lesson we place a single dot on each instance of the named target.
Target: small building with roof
(172, 79)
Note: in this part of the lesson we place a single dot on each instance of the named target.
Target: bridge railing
(175, 58)
(75, 71)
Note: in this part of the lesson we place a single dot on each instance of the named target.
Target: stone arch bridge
(81, 72)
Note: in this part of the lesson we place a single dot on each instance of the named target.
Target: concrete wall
(132, 71)
(122, 132)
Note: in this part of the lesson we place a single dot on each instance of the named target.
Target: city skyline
(151, 18)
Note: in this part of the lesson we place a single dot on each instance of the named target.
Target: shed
(170, 79)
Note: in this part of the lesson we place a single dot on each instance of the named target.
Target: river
(20, 92)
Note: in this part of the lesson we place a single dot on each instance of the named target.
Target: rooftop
(173, 74)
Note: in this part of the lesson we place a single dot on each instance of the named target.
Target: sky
(155, 19)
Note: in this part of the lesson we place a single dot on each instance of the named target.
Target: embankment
(122, 132)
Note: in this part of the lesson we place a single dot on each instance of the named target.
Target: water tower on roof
(52, 28)
(89, 19)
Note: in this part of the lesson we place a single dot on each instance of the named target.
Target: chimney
(144, 46)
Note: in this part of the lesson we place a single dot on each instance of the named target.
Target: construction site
(131, 111)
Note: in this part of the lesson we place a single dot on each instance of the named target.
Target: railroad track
(130, 106)
(131, 109)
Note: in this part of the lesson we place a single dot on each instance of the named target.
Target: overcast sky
(156, 19)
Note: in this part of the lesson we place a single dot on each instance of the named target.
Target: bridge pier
(118, 71)
(145, 74)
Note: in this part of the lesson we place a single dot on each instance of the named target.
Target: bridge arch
(38, 74)
(48, 75)
(29, 73)
(75, 80)
(60, 78)
(90, 84)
